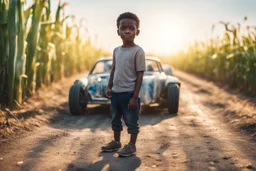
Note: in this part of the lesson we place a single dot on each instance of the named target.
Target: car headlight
(84, 81)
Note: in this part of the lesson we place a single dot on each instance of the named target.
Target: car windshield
(152, 66)
(103, 66)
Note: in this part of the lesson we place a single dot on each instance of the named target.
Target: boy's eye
(132, 28)
(122, 28)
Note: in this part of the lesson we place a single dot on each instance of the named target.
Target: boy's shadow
(109, 161)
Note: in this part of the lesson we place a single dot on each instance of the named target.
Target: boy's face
(127, 29)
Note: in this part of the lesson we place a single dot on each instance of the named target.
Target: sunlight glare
(165, 37)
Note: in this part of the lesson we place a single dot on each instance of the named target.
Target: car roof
(166, 65)
(147, 58)
(153, 58)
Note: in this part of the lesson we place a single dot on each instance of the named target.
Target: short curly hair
(128, 15)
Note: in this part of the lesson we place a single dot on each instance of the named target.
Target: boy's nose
(127, 31)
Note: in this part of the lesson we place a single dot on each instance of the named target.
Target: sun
(165, 37)
(170, 38)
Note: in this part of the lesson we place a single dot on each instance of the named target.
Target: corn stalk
(45, 51)
(32, 40)
(11, 62)
(21, 56)
(4, 6)
(59, 41)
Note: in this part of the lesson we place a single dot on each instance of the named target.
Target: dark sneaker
(111, 146)
(127, 150)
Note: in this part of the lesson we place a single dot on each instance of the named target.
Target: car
(157, 87)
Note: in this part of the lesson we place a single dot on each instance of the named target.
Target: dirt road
(205, 135)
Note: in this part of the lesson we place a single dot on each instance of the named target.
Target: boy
(124, 84)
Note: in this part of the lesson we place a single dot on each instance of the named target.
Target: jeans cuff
(117, 129)
(133, 131)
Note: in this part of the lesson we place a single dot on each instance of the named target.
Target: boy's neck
(128, 44)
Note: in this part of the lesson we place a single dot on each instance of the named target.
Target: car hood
(97, 85)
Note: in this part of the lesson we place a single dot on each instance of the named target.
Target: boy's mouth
(127, 36)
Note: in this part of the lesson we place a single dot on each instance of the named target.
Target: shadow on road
(108, 161)
(208, 146)
(99, 117)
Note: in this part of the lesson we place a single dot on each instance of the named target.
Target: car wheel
(173, 91)
(77, 99)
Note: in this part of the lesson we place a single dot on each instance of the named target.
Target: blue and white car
(157, 87)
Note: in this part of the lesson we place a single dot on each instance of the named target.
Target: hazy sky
(166, 25)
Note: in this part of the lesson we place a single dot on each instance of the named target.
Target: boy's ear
(118, 32)
(138, 32)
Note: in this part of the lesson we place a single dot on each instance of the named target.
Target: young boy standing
(124, 84)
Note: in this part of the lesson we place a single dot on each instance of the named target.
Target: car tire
(173, 91)
(77, 99)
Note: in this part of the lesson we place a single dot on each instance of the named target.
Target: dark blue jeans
(119, 109)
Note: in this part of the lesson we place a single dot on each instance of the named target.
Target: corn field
(229, 59)
(38, 47)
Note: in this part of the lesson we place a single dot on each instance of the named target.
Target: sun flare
(165, 37)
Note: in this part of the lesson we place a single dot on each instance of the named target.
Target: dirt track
(203, 136)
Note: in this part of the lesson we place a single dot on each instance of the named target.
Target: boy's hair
(128, 15)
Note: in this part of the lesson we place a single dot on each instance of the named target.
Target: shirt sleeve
(140, 60)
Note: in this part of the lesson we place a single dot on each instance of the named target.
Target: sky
(167, 26)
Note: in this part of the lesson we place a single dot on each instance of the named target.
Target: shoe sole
(112, 150)
(126, 155)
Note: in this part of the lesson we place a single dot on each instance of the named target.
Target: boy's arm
(134, 100)
(138, 84)
(110, 81)
(139, 63)
(111, 77)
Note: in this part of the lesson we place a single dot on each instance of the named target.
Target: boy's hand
(133, 103)
(108, 93)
